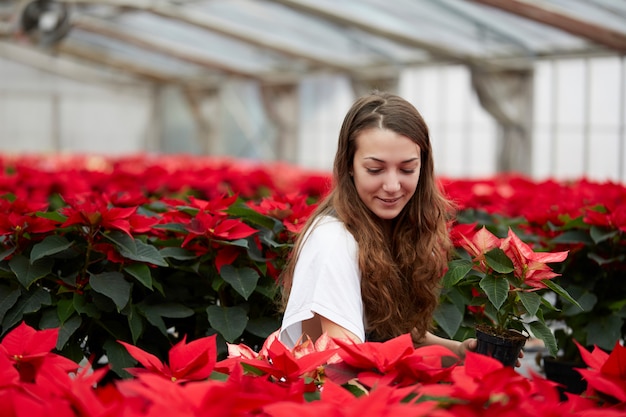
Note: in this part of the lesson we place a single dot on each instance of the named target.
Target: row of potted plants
(330, 378)
(151, 249)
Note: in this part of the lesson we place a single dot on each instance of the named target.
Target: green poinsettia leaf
(543, 332)
(457, 270)
(496, 288)
(51, 245)
(561, 291)
(135, 249)
(599, 234)
(112, 285)
(531, 301)
(449, 318)
(498, 261)
(67, 329)
(243, 280)
(141, 272)
(230, 322)
(26, 272)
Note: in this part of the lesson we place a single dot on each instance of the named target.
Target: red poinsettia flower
(606, 372)
(20, 219)
(29, 349)
(187, 361)
(478, 244)
(216, 227)
(615, 218)
(291, 209)
(530, 266)
(381, 356)
(98, 214)
(282, 365)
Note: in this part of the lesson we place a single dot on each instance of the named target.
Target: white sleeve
(326, 281)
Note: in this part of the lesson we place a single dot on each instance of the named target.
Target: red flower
(607, 372)
(530, 266)
(216, 227)
(99, 214)
(478, 244)
(284, 366)
(29, 349)
(187, 362)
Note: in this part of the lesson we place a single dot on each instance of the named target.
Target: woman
(368, 264)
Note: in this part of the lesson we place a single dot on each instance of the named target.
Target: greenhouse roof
(203, 42)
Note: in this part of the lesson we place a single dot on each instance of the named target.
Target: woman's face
(386, 170)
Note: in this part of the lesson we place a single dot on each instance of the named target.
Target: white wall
(42, 112)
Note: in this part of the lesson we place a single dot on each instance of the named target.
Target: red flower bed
(178, 256)
(373, 379)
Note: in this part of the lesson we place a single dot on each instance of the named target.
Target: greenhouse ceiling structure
(199, 44)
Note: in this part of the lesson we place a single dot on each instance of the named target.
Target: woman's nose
(391, 183)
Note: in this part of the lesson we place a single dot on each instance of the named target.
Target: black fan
(46, 21)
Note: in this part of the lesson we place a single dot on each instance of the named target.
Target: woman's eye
(408, 171)
(373, 170)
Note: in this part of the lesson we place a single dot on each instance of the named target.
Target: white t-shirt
(326, 281)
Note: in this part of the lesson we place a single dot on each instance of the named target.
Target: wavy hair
(401, 260)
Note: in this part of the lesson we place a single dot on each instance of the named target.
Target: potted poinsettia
(505, 286)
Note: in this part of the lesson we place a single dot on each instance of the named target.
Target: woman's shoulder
(329, 229)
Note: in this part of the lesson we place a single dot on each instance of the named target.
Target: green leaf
(604, 331)
(449, 318)
(243, 280)
(51, 245)
(30, 302)
(135, 323)
(8, 298)
(573, 237)
(457, 269)
(542, 332)
(531, 301)
(263, 326)
(230, 322)
(65, 309)
(497, 289)
(179, 254)
(28, 273)
(112, 285)
(67, 329)
(499, 261)
(83, 307)
(599, 234)
(7, 252)
(135, 249)
(51, 215)
(561, 291)
(141, 272)
(119, 358)
(252, 216)
(168, 309)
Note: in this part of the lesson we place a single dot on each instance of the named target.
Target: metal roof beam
(534, 11)
(76, 50)
(115, 32)
(222, 27)
(396, 36)
(44, 61)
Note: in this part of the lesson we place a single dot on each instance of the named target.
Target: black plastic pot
(505, 348)
(564, 373)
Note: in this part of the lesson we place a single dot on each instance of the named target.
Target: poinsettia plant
(502, 282)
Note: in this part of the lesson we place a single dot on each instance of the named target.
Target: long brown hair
(401, 263)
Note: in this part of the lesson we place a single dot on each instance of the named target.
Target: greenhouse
(160, 159)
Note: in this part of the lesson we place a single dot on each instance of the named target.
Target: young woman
(368, 264)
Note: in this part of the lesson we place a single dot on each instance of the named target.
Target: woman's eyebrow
(382, 161)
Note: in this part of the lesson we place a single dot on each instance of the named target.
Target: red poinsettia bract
(191, 361)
